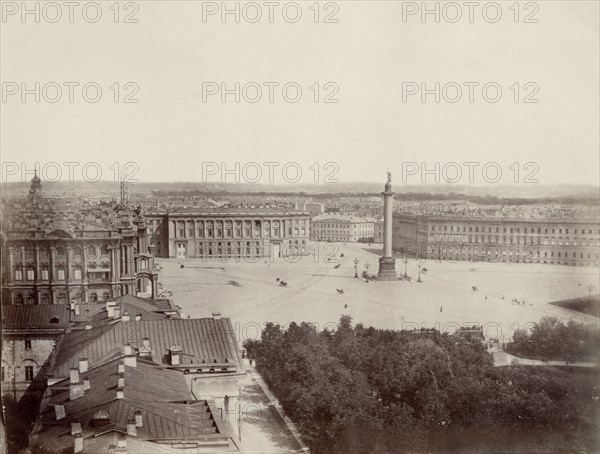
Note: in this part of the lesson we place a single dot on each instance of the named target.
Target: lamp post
(355, 267)
(367, 267)
(405, 260)
(420, 265)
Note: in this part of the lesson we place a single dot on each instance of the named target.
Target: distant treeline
(408, 196)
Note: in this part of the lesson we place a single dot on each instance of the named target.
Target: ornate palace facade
(58, 251)
(229, 232)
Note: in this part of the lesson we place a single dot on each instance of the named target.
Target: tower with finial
(35, 189)
(124, 193)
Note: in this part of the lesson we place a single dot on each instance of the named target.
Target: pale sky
(368, 54)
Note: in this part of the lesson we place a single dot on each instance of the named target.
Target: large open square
(250, 293)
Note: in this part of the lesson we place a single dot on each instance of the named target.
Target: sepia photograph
(312, 226)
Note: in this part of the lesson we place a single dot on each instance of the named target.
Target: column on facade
(84, 276)
(11, 265)
(37, 264)
(69, 263)
(52, 276)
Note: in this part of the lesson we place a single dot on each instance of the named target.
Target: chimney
(131, 429)
(83, 365)
(131, 361)
(121, 444)
(78, 443)
(76, 390)
(121, 368)
(77, 309)
(175, 355)
(138, 317)
(139, 422)
(86, 384)
(117, 312)
(216, 315)
(121, 381)
(110, 308)
(73, 375)
(59, 411)
(72, 305)
(75, 428)
(127, 349)
(125, 316)
(120, 393)
(146, 342)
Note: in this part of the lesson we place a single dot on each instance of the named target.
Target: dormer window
(175, 354)
(101, 418)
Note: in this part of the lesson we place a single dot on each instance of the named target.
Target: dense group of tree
(551, 339)
(366, 390)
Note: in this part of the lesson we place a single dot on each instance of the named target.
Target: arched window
(91, 252)
(31, 299)
(62, 298)
(105, 296)
(93, 297)
(18, 298)
(45, 299)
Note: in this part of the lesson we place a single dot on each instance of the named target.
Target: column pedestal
(387, 269)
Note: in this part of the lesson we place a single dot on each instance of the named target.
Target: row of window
(511, 230)
(61, 298)
(29, 373)
(237, 233)
(505, 240)
(60, 273)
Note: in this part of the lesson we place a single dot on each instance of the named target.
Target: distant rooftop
(222, 210)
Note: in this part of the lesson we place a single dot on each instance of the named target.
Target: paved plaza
(251, 295)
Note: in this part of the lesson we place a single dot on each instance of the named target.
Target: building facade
(557, 241)
(229, 232)
(378, 231)
(341, 228)
(57, 252)
(29, 334)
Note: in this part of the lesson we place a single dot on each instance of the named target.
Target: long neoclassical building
(229, 232)
(553, 241)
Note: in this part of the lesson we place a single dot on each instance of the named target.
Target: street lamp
(420, 265)
(405, 260)
(355, 267)
(367, 267)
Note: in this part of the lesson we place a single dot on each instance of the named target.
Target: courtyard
(321, 287)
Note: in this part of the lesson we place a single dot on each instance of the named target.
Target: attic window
(101, 418)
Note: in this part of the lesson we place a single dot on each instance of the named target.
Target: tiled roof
(162, 396)
(35, 316)
(150, 309)
(204, 341)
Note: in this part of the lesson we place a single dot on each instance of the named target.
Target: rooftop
(171, 413)
(35, 317)
(205, 342)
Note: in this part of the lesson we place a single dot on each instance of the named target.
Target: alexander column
(387, 263)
